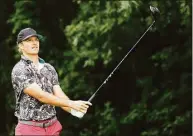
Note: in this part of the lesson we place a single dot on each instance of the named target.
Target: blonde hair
(19, 48)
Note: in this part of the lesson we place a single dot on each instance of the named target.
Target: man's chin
(33, 53)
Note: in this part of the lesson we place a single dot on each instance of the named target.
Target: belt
(39, 124)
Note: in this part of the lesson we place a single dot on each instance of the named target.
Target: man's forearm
(35, 91)
(59, 93)
(53, 100)
(66, 109)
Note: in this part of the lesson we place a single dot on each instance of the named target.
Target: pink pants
(24, 130)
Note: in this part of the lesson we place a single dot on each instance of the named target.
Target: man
(37, 90)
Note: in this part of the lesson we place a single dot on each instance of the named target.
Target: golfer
(37, 90)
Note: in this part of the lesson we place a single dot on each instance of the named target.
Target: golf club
(155, 13)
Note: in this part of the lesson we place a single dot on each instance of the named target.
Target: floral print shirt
(23, 74)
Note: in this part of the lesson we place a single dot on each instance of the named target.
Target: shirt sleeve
(54, 77)
(21, 79)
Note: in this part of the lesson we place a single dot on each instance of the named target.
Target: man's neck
(33, 58)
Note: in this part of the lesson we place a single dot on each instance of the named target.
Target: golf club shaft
(90, 99)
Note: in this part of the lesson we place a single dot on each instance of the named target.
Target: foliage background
(151, 92)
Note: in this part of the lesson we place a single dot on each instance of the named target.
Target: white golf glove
(76, 113)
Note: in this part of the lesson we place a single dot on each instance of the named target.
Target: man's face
(30, 46)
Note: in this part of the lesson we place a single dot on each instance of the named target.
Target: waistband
(43, 124)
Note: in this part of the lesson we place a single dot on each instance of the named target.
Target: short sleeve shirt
(23, 74)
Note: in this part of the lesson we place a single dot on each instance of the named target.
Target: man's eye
(29, 40)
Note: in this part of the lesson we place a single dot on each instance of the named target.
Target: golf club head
(155, 12)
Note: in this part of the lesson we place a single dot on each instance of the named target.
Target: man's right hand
(80, 105)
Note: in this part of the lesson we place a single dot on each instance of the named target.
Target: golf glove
(76, 113)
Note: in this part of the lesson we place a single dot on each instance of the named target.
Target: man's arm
(35, 91)
(59, 93)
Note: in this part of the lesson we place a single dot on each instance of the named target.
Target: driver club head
(155, 12)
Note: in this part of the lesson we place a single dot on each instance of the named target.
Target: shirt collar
(29, 61)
